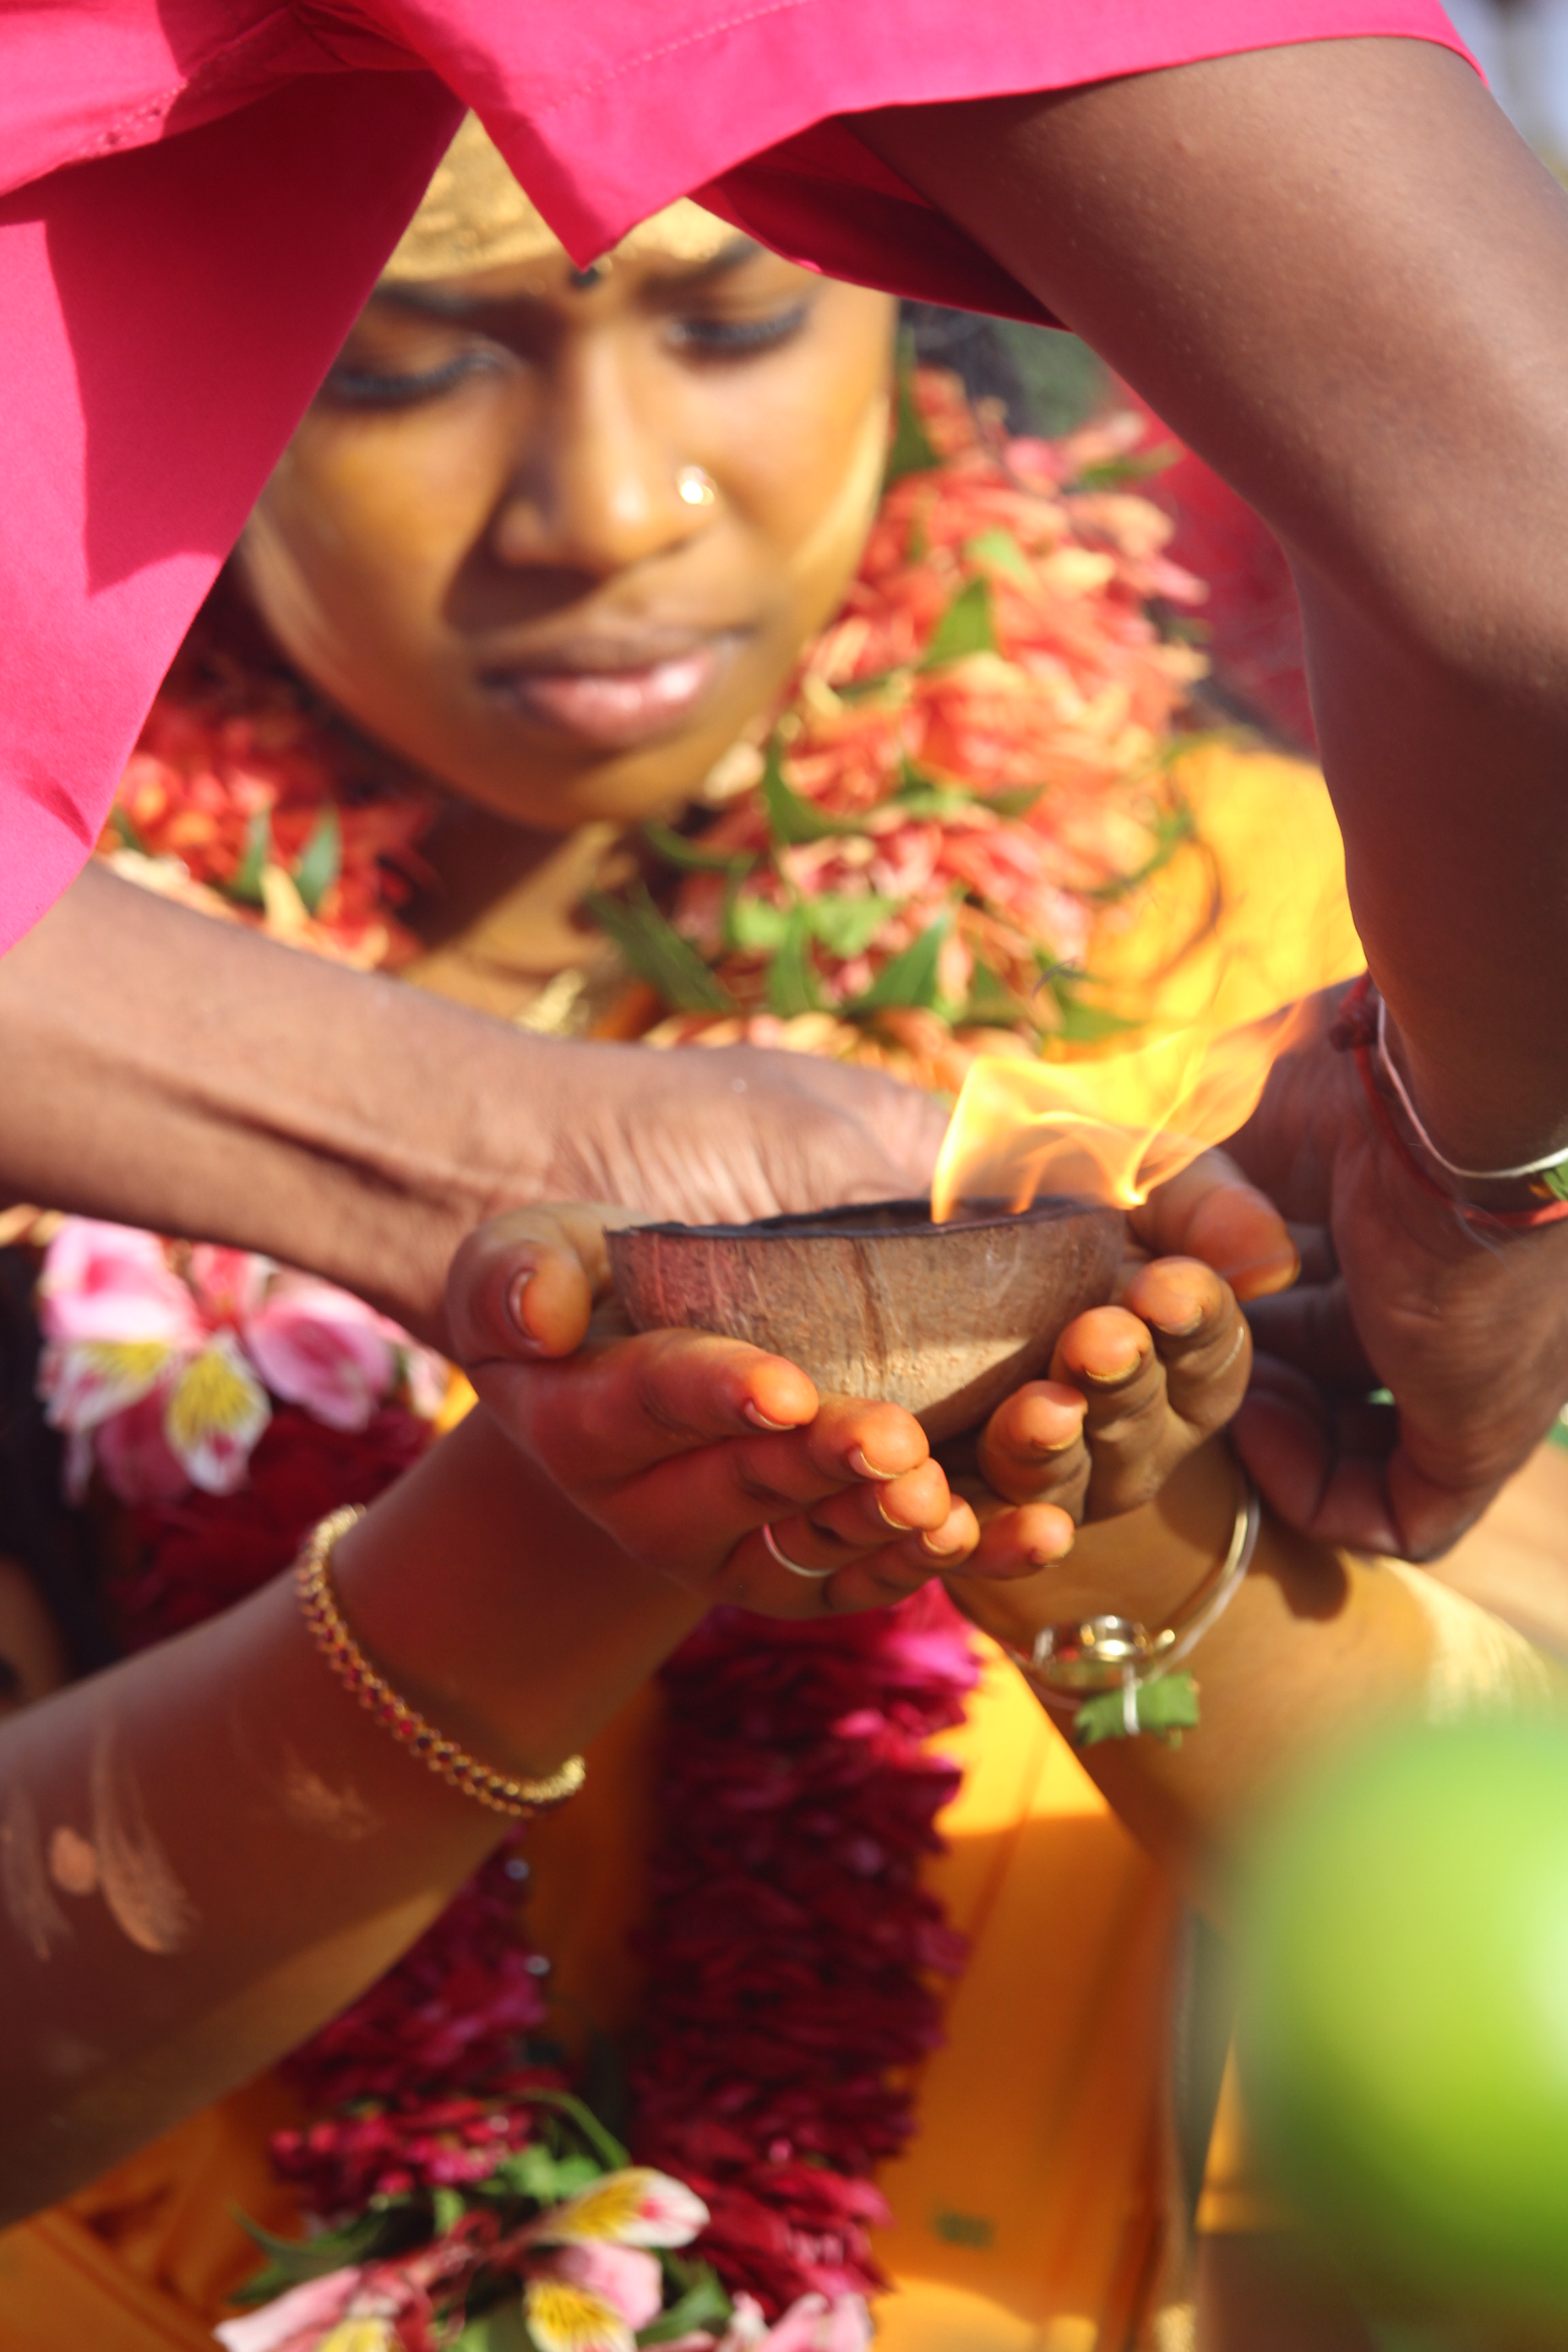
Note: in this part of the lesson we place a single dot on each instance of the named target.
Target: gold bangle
(519, 1800)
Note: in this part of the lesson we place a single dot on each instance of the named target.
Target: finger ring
(814, 1575)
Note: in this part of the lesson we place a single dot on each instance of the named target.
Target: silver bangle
(1073, 1661)
(811, 1575)
(1465, 1175)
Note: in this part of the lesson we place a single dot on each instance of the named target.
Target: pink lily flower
(637, 2206)
(296, 2322)
(315, 1346)
(158, 1377)
(625, 2277)
(814, 2324)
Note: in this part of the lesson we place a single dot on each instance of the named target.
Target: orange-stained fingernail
(1058, 1444)
(1175, 1324)
(1174, 1302)
(861, 1462)
(1119, 1367)
(946, 1543)
(514, 1307)
(1263, 1278)
(759, 1419)
(901, 1526)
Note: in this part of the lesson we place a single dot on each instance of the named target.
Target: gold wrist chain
(519, 1800)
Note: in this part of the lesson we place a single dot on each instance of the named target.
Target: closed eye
(359, 387)
(711, 338)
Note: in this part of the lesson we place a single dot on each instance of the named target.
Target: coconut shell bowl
(877, 1301)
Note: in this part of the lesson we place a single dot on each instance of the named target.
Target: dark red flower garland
(791, 1951)
(188, 1560)
(790, 1946)
(418, 2082)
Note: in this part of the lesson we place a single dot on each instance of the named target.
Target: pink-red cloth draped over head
(196, 195)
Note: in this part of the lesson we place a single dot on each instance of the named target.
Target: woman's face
(478, 545)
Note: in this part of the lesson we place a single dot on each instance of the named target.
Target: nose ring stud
(696, 486)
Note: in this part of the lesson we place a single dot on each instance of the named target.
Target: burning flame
(1216, 990)
(1110, 1129)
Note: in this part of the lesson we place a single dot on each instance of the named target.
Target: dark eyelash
(724, 338)
(370, 388)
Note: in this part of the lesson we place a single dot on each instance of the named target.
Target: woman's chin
(559, 795)
(557, 784)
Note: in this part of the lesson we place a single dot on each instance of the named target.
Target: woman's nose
(600, 488)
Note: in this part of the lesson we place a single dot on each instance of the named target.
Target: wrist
(499, 1612)
(1500, 1195)
(1487, 1156)
(1144, 1565)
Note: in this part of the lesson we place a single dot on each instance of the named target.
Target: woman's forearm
(1314, 1644)
(208, 1851)
(1334, 268)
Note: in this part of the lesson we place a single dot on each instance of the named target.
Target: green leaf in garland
(384, 2225)
(246, 883)
(1165, 1708)
(846, 926)
(704, 2305)
(966, 628)
(448, 2207)
(322, 861)
(860, 689)
(939, 801)
(923, 796)
(1117, 472)
(910, 979)
(501, 2328)
(755, 925)
(612, 2156)
(674, 848)
(656, 952)
(792, 986)
(992, 1003)
(1013, 799)
(793, 819)
(1000, 552)
(544, 2178)
(913, 450)
(920, 795)
(125, 827)
(1085, 1025)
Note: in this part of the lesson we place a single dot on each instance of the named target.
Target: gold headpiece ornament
(474, 216)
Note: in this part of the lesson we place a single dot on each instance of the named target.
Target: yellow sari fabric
(147, 2258)
(1027, 2212)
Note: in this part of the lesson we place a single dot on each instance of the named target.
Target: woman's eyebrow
(435, 301)
(733, 253)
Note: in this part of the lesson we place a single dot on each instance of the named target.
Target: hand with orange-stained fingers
(1135, 1387)
(653, 1435)
(705, 1459)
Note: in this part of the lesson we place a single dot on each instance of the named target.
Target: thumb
(523, 1286)
(1211, 1212)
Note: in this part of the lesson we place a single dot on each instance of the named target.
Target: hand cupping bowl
(878, 1301)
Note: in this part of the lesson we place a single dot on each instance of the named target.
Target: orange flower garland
(245, 798)
(972, 761)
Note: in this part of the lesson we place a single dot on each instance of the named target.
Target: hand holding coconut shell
(720, 1462)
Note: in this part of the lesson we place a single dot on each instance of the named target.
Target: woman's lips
(618, 705)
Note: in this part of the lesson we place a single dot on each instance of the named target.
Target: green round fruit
(1404, 2016)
